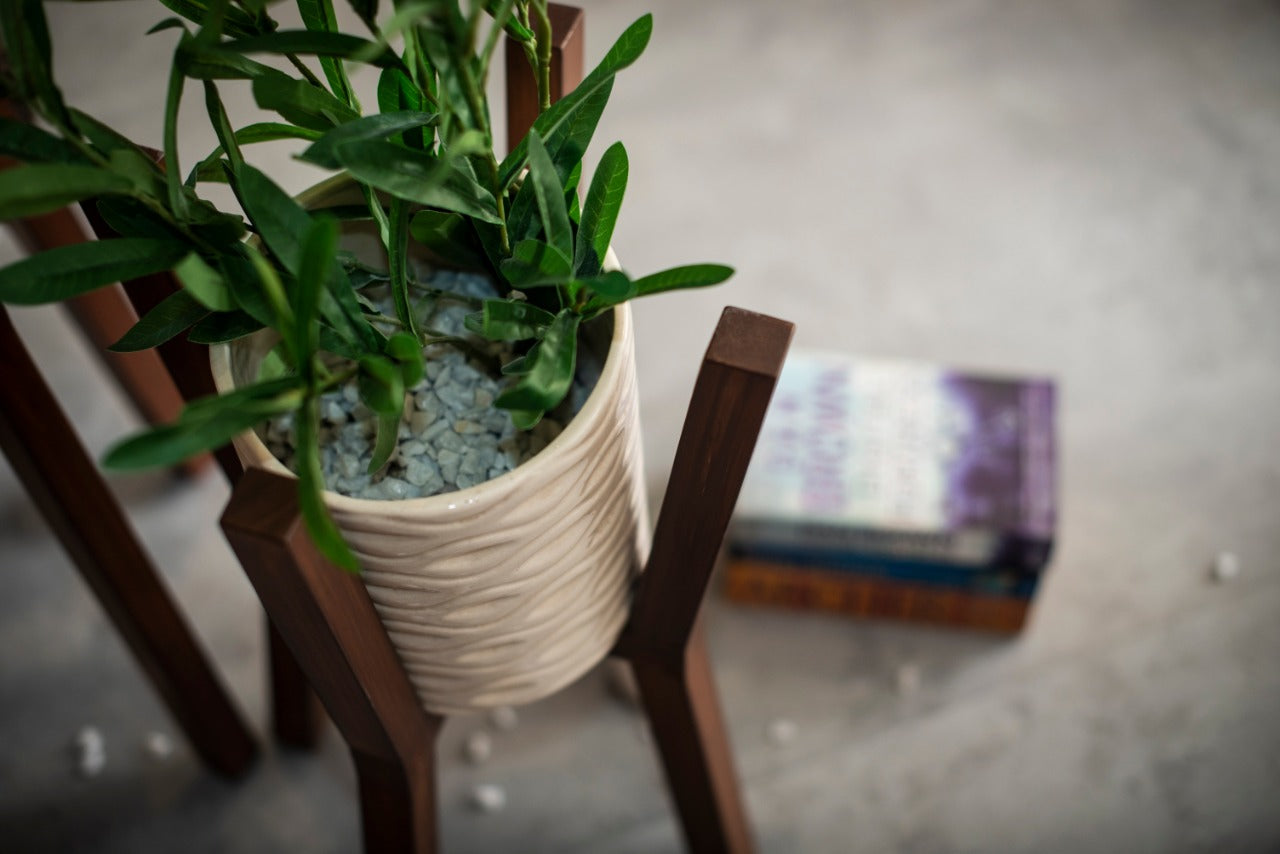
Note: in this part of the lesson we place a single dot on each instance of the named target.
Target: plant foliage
(430, 176)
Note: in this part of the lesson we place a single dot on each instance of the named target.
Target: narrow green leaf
(32, 190)
(690, 276)
(205, 424)
(319, 248)
(176, 312)
(222, 126)
(534, 263)
(300, 102)
(317, 43)
(549, 193)
(613, 287)
(224, 326)
(30, 144)
(29, 56)
(417, 177)
(551, 374)
(405, 351)
(320, 525)
(237, 22)
(202, 61)
(377, 127)
(204, 283)
(173, 99)
(210, 169)
(600, 213)
(385, 443)
(625, 51)
(66, 271)
(502, 320)
(398, 264)
(447, 236)
(318, 16)
(398, 93)
(381, 385)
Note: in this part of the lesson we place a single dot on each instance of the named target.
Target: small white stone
(91, 753)
(487, 797)
(1226, 566)
(478, 747)
(909, 678)
(504, 717)
(783, 731)
(159, 745)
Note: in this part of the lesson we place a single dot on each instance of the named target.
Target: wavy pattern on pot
(504, 593)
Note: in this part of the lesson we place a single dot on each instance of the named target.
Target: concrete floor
(1088, 190)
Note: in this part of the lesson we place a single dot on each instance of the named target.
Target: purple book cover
(901, 461)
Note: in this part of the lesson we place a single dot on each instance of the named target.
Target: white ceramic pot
(505, 592)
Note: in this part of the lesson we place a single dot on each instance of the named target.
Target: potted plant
(418, 328)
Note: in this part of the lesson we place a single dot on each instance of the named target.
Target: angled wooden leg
(327, 619)
(66, 486)
(297, 718)
(662, 639)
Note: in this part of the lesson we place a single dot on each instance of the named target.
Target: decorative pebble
(450, 437)
(158, 745)
(1226, 566)
(478, 747)
(504, 717)
(487, 797)
(91, 752)
(783, 731)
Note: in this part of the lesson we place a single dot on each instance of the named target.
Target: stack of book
(901, 490)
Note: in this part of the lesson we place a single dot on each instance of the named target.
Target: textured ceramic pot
(505, 592)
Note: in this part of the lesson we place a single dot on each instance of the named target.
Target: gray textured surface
(1089, 190)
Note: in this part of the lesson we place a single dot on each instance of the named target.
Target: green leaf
(690, 276)
(377, 127)
(534, 263)
(210, 169)
(555, 123)
(318, 16)
(300, 102)
(201, 61)
(503, 320)
(66, 271)
(27, 191)
(324, 533)
(448, 236)
(417, 177)
(549, 192)
(367, 10)
(173, 100)
(398, 93)
(172, 315)
(204, 283)
(613, 287)
(30, 144)
(129, 217)
(381, 385)
(29, 56)
(222, 126)
(281, 222)
(318, 43)
(319, 250)
(600, 213)
(236, 23)
(551, 373)
(405, 351)
(385, 443)
(398, 264)
(224, 326)
(206, 424)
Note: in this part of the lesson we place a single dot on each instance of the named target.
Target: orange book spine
(764, 583)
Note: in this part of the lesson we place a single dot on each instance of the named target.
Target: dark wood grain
(567, 68)
(329, 623)
(71, 495)
(662, 639)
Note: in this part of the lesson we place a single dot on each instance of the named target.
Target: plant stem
(306, 72)
(542, 27)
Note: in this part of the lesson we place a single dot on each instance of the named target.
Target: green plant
(427, 167)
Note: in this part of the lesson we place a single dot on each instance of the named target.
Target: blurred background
(1088, 191)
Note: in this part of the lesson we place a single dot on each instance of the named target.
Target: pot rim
(588, 418)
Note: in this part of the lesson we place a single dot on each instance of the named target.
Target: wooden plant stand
(71, 495)
(328, 621)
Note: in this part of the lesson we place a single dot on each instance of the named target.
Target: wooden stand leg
(329, 623)
(65, 485)
(297, 718)
(662, 639)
